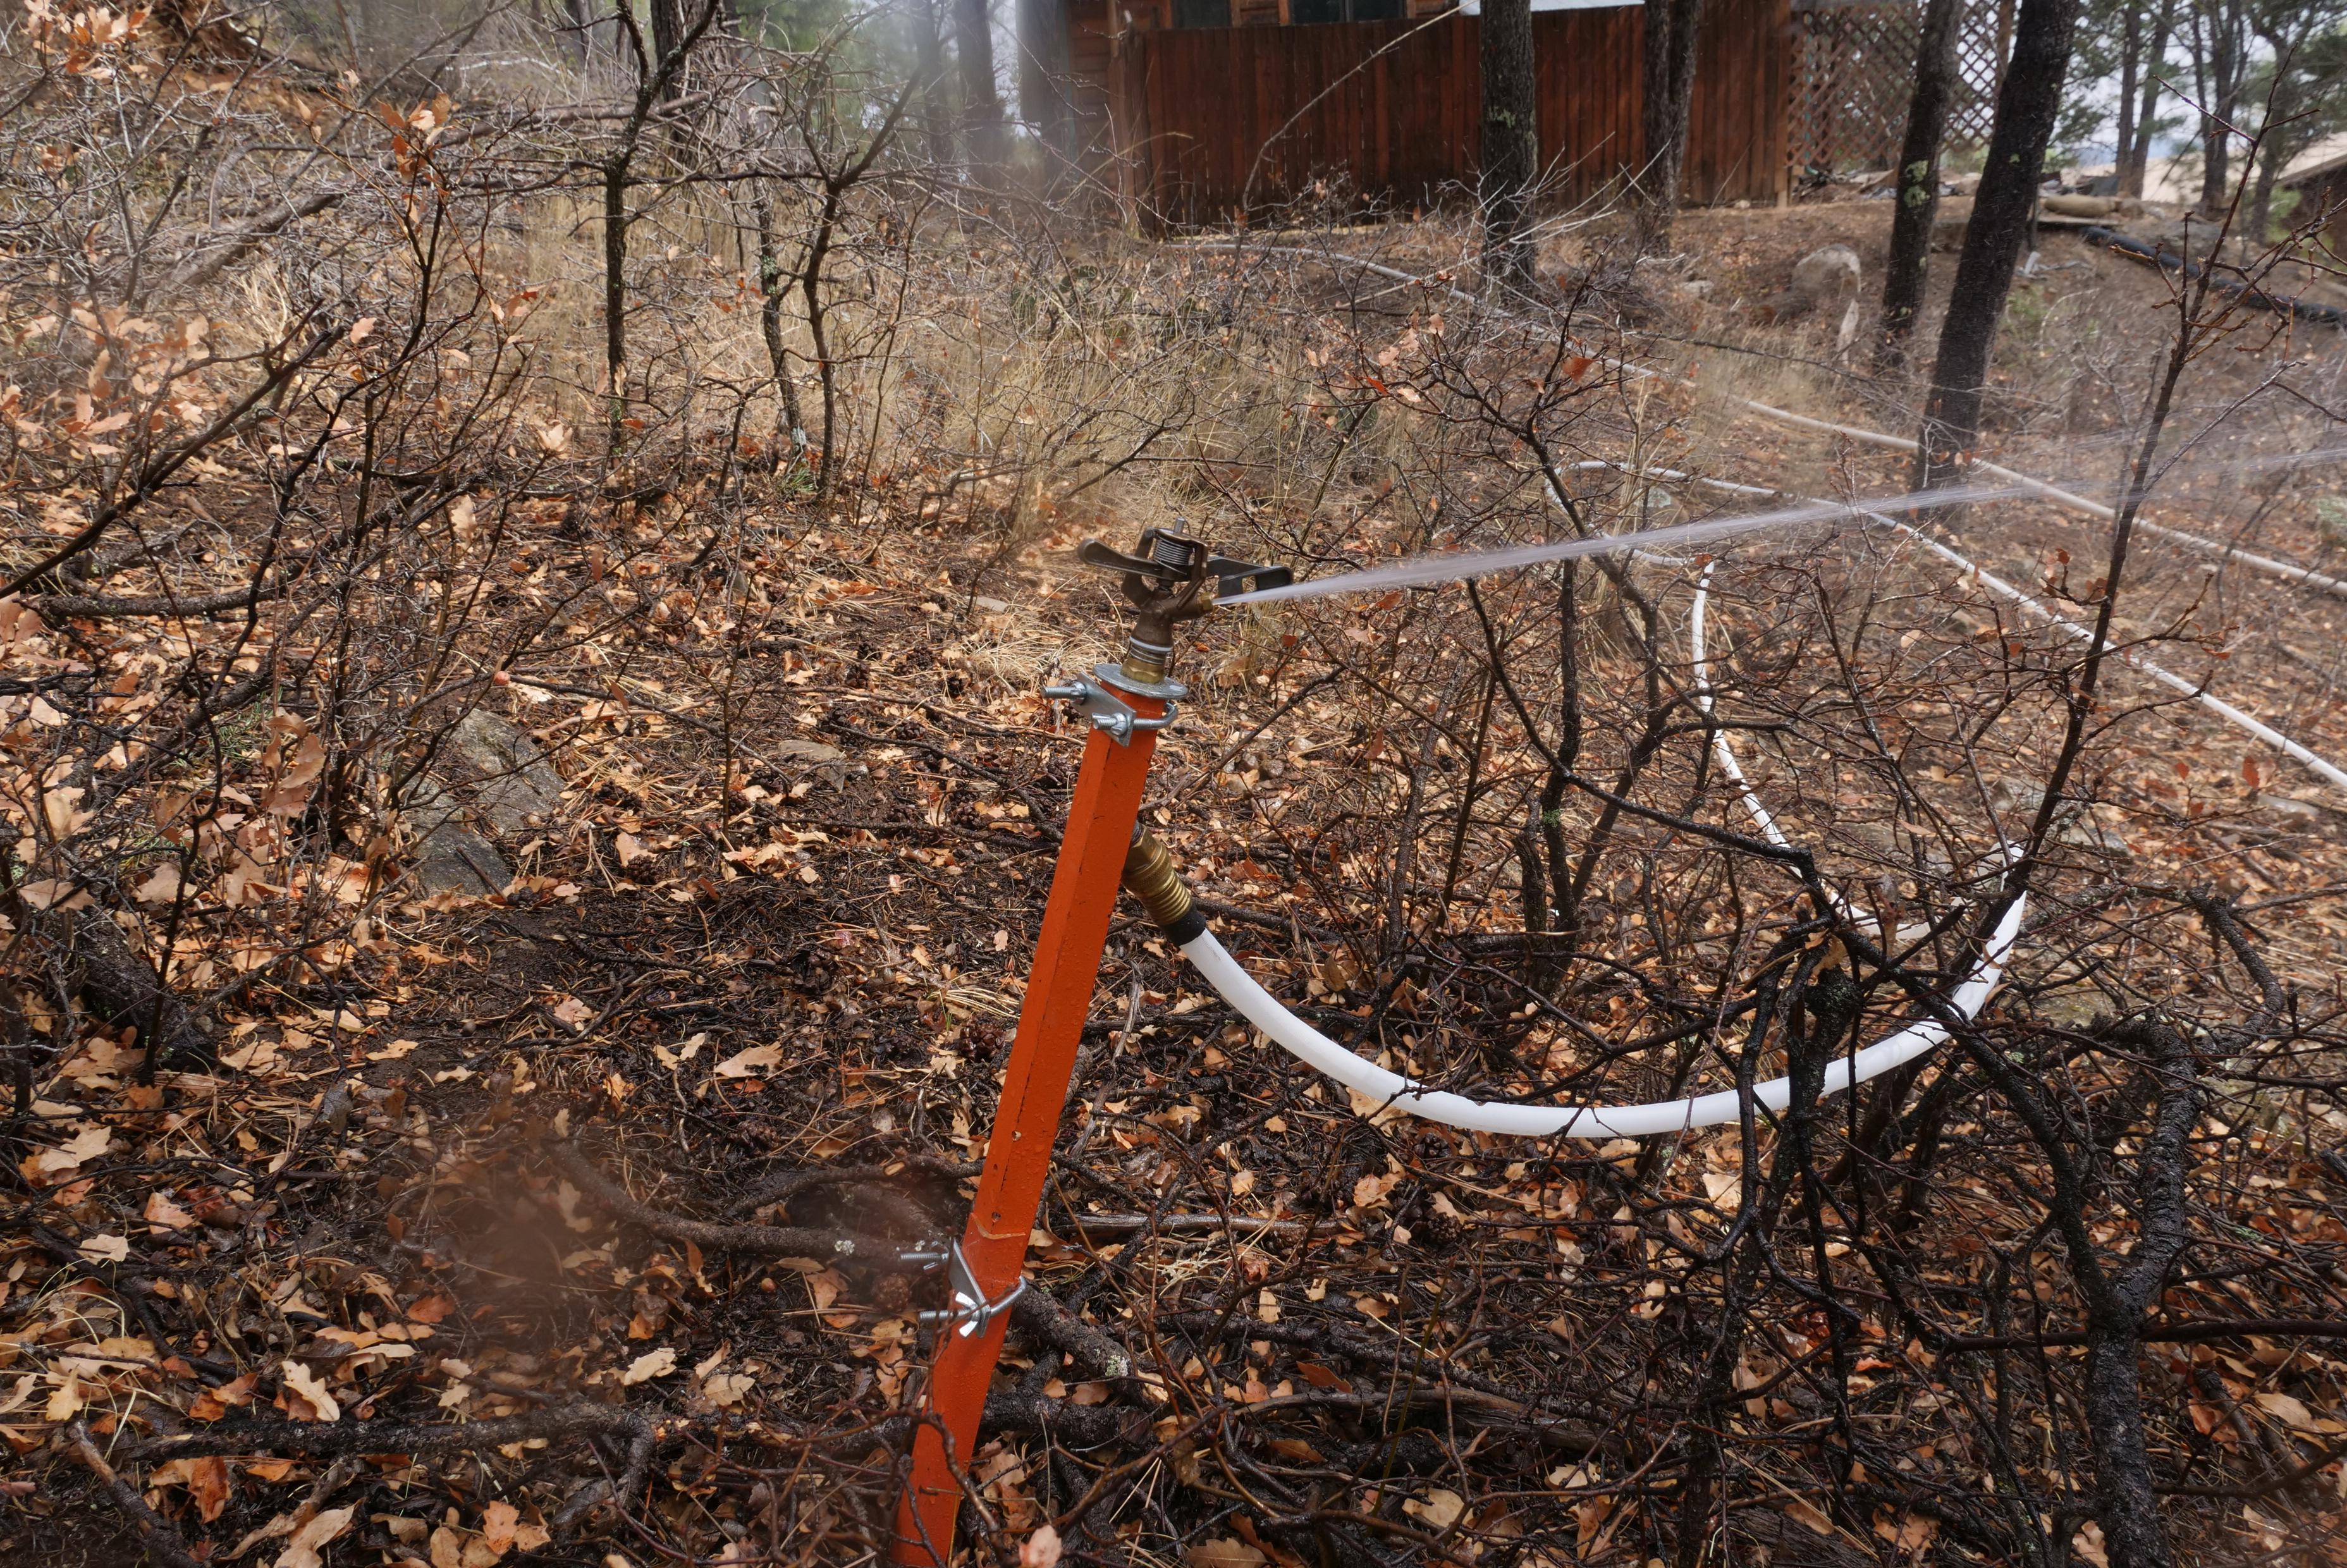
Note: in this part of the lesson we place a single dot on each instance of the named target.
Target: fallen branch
(204, 268)
(91, 606)
(164, 1542)
(333, 1439)
(774, 1189)
(1095, 1353)
(2155, 1334)
(631, 1481)
(760, 1241)
(1175, 1225)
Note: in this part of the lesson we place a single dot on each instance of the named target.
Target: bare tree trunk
(577, 31)
(2127, 1497)
(2279, 136)
(981, 105)
(1908, 267)
(2027, 103)
(2270, 153)
(2135, 155)
(668, 37)
(828, 373)
(1043, 73)
(1671, 28)
(1509, 163)
(615, 294)
(936, 92)
(2130, 64)
(2217, 61)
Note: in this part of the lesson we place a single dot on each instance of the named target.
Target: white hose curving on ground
(1373, 1082)
(1365, 1079)
(1317, 1050)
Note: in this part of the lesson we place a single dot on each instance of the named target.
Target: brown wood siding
(1203, 117)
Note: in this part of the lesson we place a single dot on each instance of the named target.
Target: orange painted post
(1126, 704)
(1027, 1121)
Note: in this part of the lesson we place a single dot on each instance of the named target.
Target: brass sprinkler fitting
(1150, 876)
(1166, 581)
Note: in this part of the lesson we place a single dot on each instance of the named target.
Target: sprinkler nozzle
(1150, 876)
(1166, 581)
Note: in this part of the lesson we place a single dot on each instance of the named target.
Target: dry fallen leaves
(2292, 1411)
(162, 1215)
(749, 1064)
(86, 1146)
(301, 1546)
(1810, 1515)
(305, 1398)
(1223, 1552)
(728, 1389)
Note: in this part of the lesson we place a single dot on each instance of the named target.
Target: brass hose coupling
(1150, 876)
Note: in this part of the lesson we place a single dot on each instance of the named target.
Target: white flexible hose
(1365, 1079)
(1317, 1050)
(1719, 746)
(1373, 1082)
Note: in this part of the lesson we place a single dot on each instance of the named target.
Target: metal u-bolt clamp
(1110, 713)
(971, 1312)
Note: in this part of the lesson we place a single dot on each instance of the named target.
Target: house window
(1304, 12)
(1202, 13)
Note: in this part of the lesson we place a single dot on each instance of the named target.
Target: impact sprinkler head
(1165, 579)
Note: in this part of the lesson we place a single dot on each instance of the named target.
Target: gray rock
(812, 755)
(2289, 811)
(2073, 1009)
(1830, 274)
(489, 781)
(512, 783)
(452, 859)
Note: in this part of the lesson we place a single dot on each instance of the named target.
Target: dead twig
(762, 1241)
(164, 1542)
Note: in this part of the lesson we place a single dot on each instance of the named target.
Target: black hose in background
(2248, 293)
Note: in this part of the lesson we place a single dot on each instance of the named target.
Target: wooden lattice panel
(1855, 66)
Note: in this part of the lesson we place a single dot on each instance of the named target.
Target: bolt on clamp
(1109, 711)
(972, 1313)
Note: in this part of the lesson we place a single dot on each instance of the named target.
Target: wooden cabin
(2319, 175)
(1206, 109)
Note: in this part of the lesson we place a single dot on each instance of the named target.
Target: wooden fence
(1212, 120)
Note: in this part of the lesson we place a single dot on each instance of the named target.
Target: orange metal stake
(1027, 1121)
